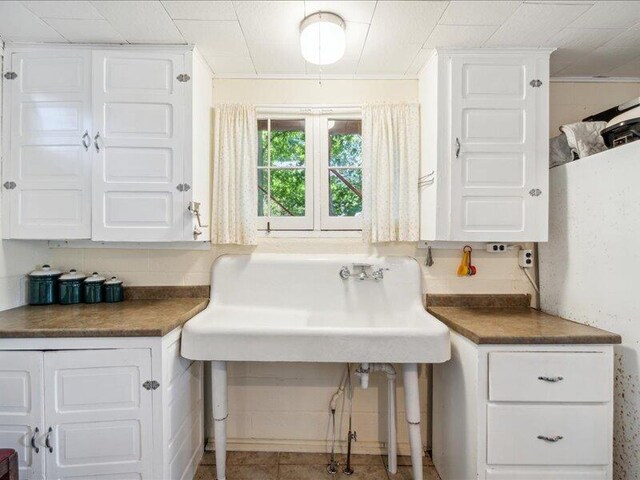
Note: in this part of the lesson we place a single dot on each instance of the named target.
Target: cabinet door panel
(21, 409)
(494, 119)
(50, 112)
(99, 413)
(139, 110)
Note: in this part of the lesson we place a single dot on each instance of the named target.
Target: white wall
(17, 257)
(588, 272)
(571, 101)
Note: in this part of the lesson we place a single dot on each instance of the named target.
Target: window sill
(310, 234)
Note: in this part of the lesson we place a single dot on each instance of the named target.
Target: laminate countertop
(145, 315)
(508, 319)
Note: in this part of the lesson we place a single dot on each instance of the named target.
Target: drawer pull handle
(555, 439)
(551, 379)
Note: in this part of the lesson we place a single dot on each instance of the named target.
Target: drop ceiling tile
(420, 60)
(86, 31)
(19, 24)
(140, 22)
(404, 22)
(609, 15)
(277, 58)
(628, 39)
(557, 66)
(344, 66)
(571, 43)
(63, 9)
(356, 34)
(478, 12)
(533, 24)
(630, 69)
(350, 11)
(459, 36)
(600, 62)
(271, 22)
(200, 10)
(390, 59)
(214, 38)
(230, 65)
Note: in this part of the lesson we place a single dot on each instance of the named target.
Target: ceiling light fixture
(322, 38)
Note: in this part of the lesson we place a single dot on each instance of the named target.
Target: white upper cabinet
(101, 144)
(484, 160)
(46, 172)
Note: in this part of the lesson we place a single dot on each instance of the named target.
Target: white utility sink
(297, 308)
(318, 308)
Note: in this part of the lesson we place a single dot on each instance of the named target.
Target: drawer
(550, 377)
(530, 474)
(513, 431)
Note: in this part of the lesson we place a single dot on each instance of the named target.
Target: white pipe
(392, 444)
(412, 408)
(220, 414)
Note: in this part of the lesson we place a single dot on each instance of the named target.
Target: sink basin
(274, 307)
(321, 308)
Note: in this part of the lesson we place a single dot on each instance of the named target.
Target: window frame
(317, 219)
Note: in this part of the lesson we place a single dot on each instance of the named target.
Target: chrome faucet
(361, 272)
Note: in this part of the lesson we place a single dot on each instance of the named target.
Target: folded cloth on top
(559, 151)
(584, 137)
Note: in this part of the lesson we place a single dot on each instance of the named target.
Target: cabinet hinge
(535, 83)
(183, 187)
(11, 75)
(9, 185)
(150, 385)
(183, 77)
(535, 192)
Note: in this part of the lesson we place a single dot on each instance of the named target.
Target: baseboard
(306, 446)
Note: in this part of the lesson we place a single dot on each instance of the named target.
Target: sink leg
(412, 408)
(220, 414)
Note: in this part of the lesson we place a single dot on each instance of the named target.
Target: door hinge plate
(183, 77)
(183, 187)
(150, 385)
(535, 83)
(9, 185)
(11, 75)
(535, 192)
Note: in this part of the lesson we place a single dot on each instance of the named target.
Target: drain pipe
(363, 372)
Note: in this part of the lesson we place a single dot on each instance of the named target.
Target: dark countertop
(511, 321)
(146, 316)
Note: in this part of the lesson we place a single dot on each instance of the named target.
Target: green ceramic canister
(70, 287)
(42, 286)
(93, 288)
(113, 291)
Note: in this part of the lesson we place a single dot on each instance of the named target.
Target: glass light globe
(322, 38)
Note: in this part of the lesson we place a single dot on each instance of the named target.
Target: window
(309, 171)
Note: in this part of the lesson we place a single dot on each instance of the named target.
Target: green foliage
(287, 149)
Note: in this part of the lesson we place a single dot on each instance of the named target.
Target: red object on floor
(8, 464)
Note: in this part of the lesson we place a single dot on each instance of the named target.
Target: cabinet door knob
(555, 439)
(47, 439)
(550, 379)
(33, 440)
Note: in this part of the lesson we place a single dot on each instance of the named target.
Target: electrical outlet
(525, 258)
(497, 247)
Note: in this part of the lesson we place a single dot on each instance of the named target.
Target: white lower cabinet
(523, 412)
(120, 409)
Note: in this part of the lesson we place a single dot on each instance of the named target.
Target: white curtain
(235, 150)
(391, 158)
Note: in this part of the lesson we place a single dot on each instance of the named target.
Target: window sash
(316, 168)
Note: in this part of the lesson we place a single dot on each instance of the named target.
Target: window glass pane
(345, 192)
(287, 193)
(345, 143)
(287, 143)
(263, 143)
(263, 182)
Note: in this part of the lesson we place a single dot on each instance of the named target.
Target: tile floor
(306, 466)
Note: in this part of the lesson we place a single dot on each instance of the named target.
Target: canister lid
(45, 271)
(94, 278)
(113, 281)
(73, 274)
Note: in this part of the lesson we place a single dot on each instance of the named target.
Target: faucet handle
(345, 272)
(378, 273)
